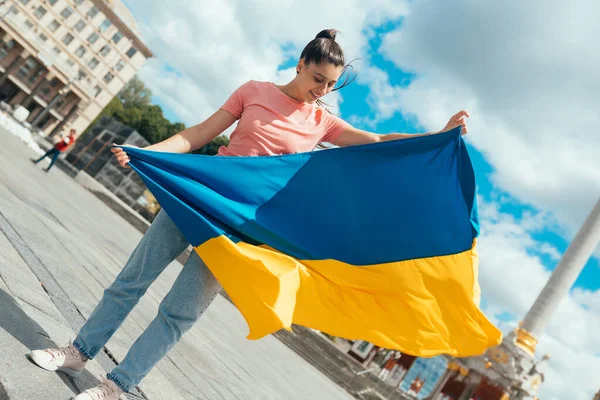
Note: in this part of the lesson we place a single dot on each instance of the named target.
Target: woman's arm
(352, 136)
(189, 139)
(197, 136)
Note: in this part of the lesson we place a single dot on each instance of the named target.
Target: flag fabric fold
(374, 242)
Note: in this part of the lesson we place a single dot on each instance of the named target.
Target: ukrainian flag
(373, 242)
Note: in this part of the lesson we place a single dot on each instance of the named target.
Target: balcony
(45, 53)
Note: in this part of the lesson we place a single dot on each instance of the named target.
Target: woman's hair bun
(327, 34)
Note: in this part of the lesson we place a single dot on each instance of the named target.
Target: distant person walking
(59, 147)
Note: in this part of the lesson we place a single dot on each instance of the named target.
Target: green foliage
(135, 93)
(132, 106)
(211, 148)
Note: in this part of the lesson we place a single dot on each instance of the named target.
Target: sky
(528, 75)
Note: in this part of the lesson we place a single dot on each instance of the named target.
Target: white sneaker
(65, 359)
(108, 390)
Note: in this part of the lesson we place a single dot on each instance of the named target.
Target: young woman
(272, 120)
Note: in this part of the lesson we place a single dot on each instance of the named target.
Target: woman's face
(316, 80)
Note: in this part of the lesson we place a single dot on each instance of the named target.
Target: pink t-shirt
(272, 123)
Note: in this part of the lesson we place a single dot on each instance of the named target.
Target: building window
(27, 66)
(80, 51)
(59, 103)
(13, 10)
(6, 47)
(40, 12)
(70, 62)
(34, 77)
(81, 75)
(117, 37)
(79, 2)
(56, 50)
(105, 25)
(80, 25)
(131, 52)
(92, 38)
(52, 2)
(43, 37)
(24, 1)
(54, 25)
(66, 12)
(29, 24)
(67, 39)
(108, 77)
(92, 12)
(105, 50)
(98, 90)
(93, 63)
(119, 65)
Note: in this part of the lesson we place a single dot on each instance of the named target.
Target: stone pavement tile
(70, 278)
(20, 378)
(61, 335)
(29, 320)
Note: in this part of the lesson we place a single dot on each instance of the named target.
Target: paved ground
(59, 247)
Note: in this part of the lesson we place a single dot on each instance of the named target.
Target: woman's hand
(121, 155)
(457, 119)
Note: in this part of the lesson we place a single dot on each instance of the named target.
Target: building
(64, 60)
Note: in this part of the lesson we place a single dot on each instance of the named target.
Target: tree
(175, 128)
(153, 125)
(212, 147)
(129, 116)
(135, 94)
(132, 106)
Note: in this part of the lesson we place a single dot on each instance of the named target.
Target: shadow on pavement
(20, 326)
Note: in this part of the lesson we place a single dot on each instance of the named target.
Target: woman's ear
(299, 66)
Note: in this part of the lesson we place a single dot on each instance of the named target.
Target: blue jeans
(193, 291)
(54, 153)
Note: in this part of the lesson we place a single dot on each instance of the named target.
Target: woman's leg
(192, 292)
(161, 244)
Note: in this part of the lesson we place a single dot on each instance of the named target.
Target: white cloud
(526, 73)
(217, 46)
(512, 275)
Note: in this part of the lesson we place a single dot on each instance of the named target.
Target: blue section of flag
(362, 205)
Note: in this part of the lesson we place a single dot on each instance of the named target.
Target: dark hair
(324, 49)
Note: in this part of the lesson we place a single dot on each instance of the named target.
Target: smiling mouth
(313, 95)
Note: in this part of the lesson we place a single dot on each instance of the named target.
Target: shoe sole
(68, 371)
